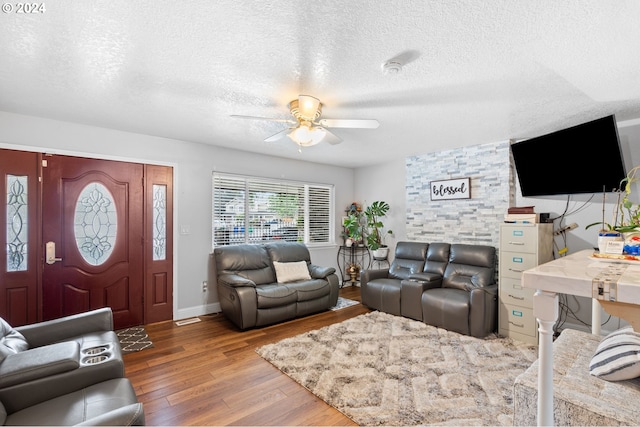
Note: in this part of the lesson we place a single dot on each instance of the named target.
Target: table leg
(545, 308)
(596, 317)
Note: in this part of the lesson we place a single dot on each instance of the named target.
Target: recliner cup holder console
(92, 360)
(96, 350)
(97, 354)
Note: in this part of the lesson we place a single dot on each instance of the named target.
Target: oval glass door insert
(95, 223)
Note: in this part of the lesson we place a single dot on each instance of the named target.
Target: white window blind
(253, 209)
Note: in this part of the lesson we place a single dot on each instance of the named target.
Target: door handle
(51, 253)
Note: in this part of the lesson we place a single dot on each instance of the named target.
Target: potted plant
(626, 216)
(353, 228)
(374, 229)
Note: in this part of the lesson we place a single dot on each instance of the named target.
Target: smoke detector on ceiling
(392, 67)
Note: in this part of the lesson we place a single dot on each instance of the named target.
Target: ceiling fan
(308, 128)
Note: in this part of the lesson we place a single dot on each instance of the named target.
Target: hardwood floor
(208, 373)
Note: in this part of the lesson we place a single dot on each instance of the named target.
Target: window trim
(306, 204)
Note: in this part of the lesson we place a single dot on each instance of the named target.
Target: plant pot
(380, 253)
(348, 243)
(607, 236)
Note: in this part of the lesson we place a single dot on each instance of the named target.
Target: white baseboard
(199, 310)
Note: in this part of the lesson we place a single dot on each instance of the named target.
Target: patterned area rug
(344, 303)
(134, 339)
(380, 369)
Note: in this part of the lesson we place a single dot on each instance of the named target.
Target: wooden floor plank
(208, 373)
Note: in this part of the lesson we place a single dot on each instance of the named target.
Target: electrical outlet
(204, 286)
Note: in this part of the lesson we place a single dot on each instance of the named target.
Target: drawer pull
(515, 297)
(516, 243)
(516, 325)
(516, 270)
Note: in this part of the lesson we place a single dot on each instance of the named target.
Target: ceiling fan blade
(236, 116)
(331, 138)
(350, 123)
(278, 135)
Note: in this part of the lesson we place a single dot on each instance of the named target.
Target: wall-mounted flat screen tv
(586, 158)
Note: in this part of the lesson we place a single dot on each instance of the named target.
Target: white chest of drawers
(522, 246)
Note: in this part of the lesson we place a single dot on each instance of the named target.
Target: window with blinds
(253, 210)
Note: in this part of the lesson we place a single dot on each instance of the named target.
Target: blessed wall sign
(450, 189)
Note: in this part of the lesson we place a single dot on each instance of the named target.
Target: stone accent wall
(471, 221)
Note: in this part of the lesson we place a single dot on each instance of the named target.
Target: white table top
(575, 274)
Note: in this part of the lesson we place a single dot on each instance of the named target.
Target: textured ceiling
(478, 71)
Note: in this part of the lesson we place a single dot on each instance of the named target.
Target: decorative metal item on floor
(351, 261)
(354, 271)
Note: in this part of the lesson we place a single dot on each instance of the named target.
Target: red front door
(93, 238)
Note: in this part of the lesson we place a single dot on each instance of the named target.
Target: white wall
(385, 182)
(193, 165)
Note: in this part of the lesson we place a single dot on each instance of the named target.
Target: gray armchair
(108, 403)
(66, 355)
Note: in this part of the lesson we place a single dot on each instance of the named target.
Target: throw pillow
(617, 357)
(291, 271)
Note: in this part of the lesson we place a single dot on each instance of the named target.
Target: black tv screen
(582, 159)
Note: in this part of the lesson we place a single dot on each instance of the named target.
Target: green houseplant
(374, 213)
(625, 224)
(353, 227)
(626, 215)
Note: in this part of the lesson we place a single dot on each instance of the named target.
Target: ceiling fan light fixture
(317, 135)
(306, 135)
(308, 129)
(308, 106)
(305, 108)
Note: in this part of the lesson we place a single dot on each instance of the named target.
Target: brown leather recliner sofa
(451, 286)
(263, 284)
(65, 371)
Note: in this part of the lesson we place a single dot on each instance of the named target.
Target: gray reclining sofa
(451, 286)
(253, 292)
